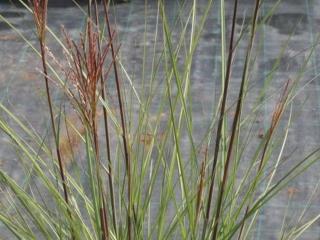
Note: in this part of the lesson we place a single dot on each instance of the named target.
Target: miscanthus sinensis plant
(145, 173)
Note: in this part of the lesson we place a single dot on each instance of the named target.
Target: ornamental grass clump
(141, 169)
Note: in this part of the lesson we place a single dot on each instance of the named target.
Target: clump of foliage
(138, 181)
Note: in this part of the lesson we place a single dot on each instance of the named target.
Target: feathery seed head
(85, 67)
(40, 16)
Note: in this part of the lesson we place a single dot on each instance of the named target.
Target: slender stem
(237, 117)
(221, 117)
(242, 225)
(61, 168)
(103, 209)
(103, 224)
(230, 148)
(40, 17)
(122, 116)
(106, 128)
(94, 128)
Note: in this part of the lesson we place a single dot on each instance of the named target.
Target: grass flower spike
(40, 17)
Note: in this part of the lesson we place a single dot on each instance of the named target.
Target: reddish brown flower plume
(86, 62)
(40, 16)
